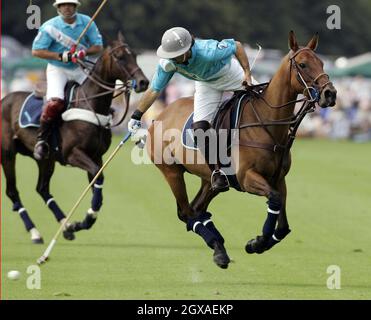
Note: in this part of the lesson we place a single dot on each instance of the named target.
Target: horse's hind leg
(8, 163)
(46, 170)
(174, 175)
(256, 184)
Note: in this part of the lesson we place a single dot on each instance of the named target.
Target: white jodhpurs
(57, 78)
(208, 95)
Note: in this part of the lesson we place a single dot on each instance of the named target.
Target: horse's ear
(120, 37)
(313, 43)
(293, 44)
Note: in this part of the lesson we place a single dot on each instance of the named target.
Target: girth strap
(265, 146)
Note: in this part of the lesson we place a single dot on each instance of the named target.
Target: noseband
(312, 87)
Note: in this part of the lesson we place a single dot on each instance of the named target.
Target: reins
(109, 87)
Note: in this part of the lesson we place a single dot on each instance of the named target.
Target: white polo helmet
(175, 42)
(58, 2)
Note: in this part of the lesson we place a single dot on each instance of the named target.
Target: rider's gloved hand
(135, 124)
(66, 56)
(70, 56)
(81, 54)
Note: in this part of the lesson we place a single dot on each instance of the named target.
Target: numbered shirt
(208, 58)
(57, 36)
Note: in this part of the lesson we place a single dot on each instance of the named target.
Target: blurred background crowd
(346, 52)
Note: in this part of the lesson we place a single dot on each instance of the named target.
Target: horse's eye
(302, 65)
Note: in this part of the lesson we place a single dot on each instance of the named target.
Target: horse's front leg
(96, 202)
(79, 159)
(283, 228)
(254, 183)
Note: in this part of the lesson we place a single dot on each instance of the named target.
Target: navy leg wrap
(197, 226)
(58, 213)
(97, 200)
(279, 235)
(211, 226)
(17, 206)
(27, 220)
(274, 207)
(53, 206)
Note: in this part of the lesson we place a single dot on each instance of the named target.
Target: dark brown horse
(81, 143)
(267, 127)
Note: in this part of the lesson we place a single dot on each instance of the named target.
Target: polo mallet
(256, 56)
(74, 46)
(253, 62)
(52, 243)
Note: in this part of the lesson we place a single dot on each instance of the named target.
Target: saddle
(32, 107)
(227, 118)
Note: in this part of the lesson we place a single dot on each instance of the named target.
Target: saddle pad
(31, 112)
(187, 132)
(32, 107)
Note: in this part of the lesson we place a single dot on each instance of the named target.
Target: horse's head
(123, 64)
(307, 75)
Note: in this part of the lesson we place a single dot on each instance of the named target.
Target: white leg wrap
(273, 212)
(93, 213)
(35, 234)
(195, 225)
(206, 222)
(49, 201)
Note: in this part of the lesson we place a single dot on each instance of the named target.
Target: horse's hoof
(257, 245)
(38, 241)
(220, 256)
(68, 235)
(249, 247)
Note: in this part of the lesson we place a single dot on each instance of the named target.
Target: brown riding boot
(41, 149)
(219, 181)
(52, 110)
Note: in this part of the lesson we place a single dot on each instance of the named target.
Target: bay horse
(267, 128)
(81, 143)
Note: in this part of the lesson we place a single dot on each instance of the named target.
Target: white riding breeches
(208, 95)
(57, 78)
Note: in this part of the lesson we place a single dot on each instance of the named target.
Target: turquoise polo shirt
(208, 58)
(58, 36)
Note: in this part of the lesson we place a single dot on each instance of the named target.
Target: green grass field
(138, 249)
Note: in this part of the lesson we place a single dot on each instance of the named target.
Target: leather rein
(308, 106)
(109, 87)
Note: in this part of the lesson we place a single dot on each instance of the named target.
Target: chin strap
(62, 16)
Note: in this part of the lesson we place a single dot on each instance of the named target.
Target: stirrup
(220, 188)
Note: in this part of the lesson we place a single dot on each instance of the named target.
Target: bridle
(108, 86)
(310, 86)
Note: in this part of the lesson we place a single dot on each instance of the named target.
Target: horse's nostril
(143, 83)
(329, 94)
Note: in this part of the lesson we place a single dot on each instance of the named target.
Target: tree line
(250, 21)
